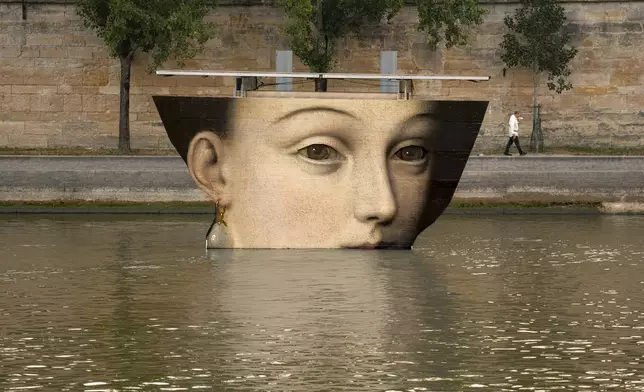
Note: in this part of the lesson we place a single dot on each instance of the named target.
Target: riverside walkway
(615, 180)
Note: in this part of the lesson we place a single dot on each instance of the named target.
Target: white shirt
(514, 126)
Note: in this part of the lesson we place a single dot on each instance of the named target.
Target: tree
(538, 40)
(314, 27)
(162, 28)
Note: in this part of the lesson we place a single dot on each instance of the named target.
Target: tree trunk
(124, 114)
(535, 137)
(321, 84)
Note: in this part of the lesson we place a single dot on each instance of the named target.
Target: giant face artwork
(323, 173)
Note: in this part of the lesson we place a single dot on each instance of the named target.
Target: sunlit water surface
(497, 303)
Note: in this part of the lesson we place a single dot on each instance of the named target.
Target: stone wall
(59, 87)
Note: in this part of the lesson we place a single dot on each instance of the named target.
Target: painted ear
(205, 164)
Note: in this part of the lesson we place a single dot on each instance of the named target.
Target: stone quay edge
(615, 182)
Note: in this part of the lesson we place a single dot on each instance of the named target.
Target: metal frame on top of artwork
(249, 81)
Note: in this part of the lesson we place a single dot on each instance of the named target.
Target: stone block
(10, 75)
(84, 141)
(20, 102)
(141, 104)
(11, 12)
(73, 103)
(72, 15)
(426, 59)
(46, 103)
(112, 103)
(43, 128)
(61, 64)
(114, 75)
(27, 141)
(47, 13)
(31, 89)
(596, 65)
(92, 40)
(166, 144)
(75, 129)
(99, 52)
(95, 77)
(471, 93)
(77, 89)
(609, 102)
(140, 127)
(4, 102)
(153, 90)
(73, 77)
(629, 41)
(44, 27)
(104, 117)
(631, 125)
(53, 52)
(592, 91)
(12, 127)
(111, 90)
(149, 116)
(566, 101)
(29, 51)
(16, 62)
(597, 40)
(621, 139)
(145, 141)
(94, 103)
(76, 40)
(626, 76)
(79, 52)
(43, 76)
(9, 51)
(615, 15)
(44, 39)
(583, 79)
(624, 27)
(520, 77)
(111, 128)
(11, 38)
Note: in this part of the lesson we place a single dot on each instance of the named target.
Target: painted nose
(374, 198)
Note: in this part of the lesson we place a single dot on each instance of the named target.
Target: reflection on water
(482, 303)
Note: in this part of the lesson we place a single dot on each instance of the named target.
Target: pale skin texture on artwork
(319, 173)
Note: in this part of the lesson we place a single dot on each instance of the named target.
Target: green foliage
(314, 27)
(538, 40)
(162, 28)
(448, 20)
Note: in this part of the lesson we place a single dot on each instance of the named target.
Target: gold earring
(220, 214)
(217, 236)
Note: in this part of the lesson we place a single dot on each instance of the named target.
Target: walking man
(514, 134)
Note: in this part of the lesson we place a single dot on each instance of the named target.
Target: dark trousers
(515, 140)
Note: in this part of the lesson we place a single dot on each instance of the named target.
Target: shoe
(507, 154)
(523, 153)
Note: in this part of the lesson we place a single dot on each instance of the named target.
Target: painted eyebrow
(313, 109)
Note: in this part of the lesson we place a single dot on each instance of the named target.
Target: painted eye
(411, 153)
(320, 152)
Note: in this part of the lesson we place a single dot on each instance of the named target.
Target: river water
(490, 303)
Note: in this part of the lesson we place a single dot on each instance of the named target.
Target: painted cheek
(294, 208)
(411, 194)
